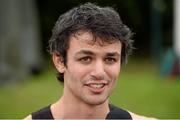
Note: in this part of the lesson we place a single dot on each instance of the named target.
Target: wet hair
(102, 22)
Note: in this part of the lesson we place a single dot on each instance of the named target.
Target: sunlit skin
(91, 71)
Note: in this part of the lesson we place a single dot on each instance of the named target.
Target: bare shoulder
(29, 117)
(140, 117)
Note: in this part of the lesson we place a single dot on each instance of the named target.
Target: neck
(66, 108)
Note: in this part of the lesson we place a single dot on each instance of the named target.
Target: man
(88, 46)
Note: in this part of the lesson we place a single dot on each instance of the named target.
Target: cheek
(113, 71)
(76, 74)
(72, 81)
(80, 71)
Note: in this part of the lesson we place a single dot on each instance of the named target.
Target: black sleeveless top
(115, 113)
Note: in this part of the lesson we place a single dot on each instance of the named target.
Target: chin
(95, 100)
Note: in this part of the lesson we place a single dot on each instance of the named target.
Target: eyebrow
(85, 52)
(110, 54)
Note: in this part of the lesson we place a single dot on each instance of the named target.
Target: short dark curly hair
(102, 22)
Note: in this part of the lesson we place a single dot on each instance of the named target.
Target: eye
(110, 60)
(85, 60)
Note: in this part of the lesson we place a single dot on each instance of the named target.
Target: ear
(58, 62)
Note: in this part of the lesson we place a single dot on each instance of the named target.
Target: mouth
(96, 85)
(96, 88)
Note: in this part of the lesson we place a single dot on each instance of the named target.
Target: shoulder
(116, 112)
(140, 117)
(44, 113)
(29, 117)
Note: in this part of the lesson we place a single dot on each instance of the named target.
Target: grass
(140, 89)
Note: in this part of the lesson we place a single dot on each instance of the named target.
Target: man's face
(92, 68)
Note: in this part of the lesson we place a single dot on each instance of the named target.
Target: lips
(96, 88)
(96, 85)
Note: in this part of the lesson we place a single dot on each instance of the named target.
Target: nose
(98, 70)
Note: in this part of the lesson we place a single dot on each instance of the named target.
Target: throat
(63, 110)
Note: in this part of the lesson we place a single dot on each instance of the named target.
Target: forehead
(86, 40)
